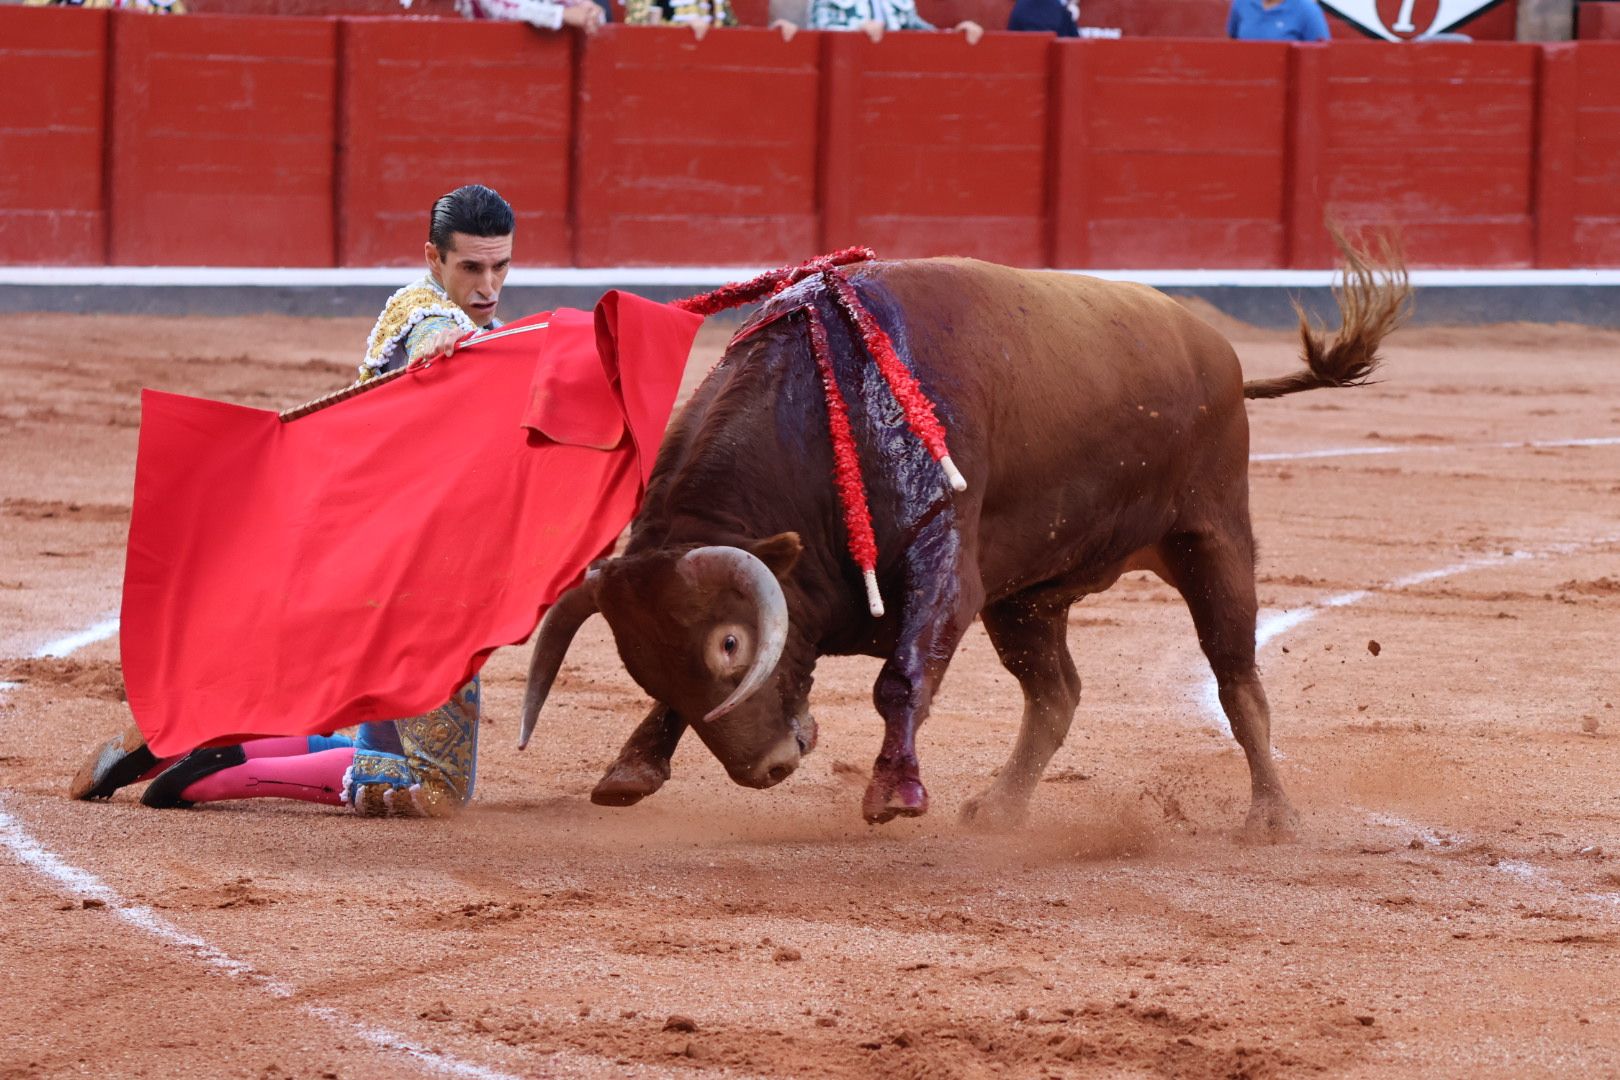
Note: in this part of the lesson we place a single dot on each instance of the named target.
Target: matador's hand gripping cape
(362, 562)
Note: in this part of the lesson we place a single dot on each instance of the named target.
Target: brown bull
(1101, 428)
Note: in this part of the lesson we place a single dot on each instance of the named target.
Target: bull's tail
(1375, 297)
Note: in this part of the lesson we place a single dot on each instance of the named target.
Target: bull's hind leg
(1214, 572)
(942, 595)
(1030, 637)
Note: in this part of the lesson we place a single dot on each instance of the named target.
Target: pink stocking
(310, 777)
(281, 746)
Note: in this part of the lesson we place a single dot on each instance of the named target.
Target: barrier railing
(318, 142)
(696, 152)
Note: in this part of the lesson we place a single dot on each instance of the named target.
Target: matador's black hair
(472, 209)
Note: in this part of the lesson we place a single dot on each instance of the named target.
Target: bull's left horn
(551, 643)
(751, 577)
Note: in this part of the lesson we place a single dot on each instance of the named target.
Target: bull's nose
(775, 767)
(805, 727)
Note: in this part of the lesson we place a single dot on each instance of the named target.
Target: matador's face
(472, 270)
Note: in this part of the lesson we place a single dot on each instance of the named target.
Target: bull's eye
(730, 644)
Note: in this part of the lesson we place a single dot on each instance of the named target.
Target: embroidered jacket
(421, 765)
(411, 316)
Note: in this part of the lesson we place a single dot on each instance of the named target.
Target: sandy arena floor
(1451, 908)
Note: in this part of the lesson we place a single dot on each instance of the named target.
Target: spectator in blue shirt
(1052, 16)
(1276, 20)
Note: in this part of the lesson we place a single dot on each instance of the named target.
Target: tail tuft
(1374, 298)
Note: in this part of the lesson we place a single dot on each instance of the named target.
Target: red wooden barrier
(1555, 155)
(1596, 164)
(1169, 153)
(51, 136)
(221, 149)
(1599, 21)
(932, 146)
(1437, 140)
(696, 152)
(428, 105)
(231, 141)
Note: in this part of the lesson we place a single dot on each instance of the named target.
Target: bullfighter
(417, 766)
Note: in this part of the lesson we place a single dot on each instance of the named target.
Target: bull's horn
(557, 632)
(746, 573)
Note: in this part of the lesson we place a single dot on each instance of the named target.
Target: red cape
(360, 563)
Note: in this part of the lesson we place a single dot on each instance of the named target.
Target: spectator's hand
(587, 16)
(787, 28)
(970, 30)
(872, 29)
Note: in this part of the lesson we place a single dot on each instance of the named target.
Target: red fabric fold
(362, 562)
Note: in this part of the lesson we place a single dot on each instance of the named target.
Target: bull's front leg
(643, 762)
(941, 598)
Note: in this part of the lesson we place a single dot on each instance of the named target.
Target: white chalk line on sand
(66, 646)
(29, 852)
(1274, 624)
(61, 647)
(1430, 448)
(1527, 872)
(82, 884)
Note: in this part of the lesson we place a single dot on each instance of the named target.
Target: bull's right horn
(744, 571)
(557, 632)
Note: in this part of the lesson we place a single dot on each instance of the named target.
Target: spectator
(1276, 20)
(151, 7)
(1060, 17)
(794, 12)
(873, 17)
(697, 14)
(540, 14)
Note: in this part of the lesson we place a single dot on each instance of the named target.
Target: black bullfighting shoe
(164, 790)
(122, 759)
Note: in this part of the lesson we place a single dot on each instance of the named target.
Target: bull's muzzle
(783, 758)
(773, 768)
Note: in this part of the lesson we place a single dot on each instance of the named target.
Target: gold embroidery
(369, 800)
(407, 307)
(441, 745)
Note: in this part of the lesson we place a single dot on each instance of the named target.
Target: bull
(1101, 428)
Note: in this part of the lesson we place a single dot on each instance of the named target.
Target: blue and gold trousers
(422, 766)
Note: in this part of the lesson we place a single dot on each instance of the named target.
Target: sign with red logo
(1405, 20)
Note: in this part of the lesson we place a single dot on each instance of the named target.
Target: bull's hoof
(993, 811)
(888, 799)
(627, 783)
(1270, 821)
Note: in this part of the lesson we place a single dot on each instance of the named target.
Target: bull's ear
(778, 552)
